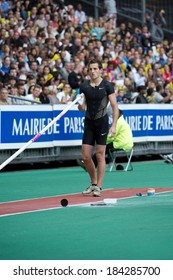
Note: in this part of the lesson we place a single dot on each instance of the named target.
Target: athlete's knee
(86, 157)
(100, 156)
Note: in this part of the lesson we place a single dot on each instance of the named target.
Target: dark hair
(150, 91)
(37, 86)
(93, 61)
(140, 88)
(158, 87)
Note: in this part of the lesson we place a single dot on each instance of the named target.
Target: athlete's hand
(81, 100)
(112, 131)
(82, 103)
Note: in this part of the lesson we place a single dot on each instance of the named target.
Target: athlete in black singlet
(97, 93)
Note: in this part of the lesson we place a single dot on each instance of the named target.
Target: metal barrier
(25, 100)
(72, 153)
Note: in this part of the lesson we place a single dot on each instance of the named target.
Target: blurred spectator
(97, 31)
(156, 96)
(53, 95)
(162, 57)
(158, 76)
(47, 73)
(114, 70)
(30, 80)
(31, 89)
(145, 38)
(167, 75)
(5, 68)
(80, 14)
(85, 73)
(5, 8)
(141, 98)
(34, 68)
(139, 77)
(75, 77)
(21, 90)
(14, 92)
(120, 96)
(66, 70)
(58, 67)
(40, 23)
(155, 23)
(122, 30)
(66, 95)
(35, 96)
(111, 11)
(5, 51)
(44, 95)
(4, 100)
(20, 25)
(12, 81)
(149, 75)
(24, 9)
(167, 92)
(22, 80)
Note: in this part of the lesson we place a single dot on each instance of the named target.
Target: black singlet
(96, 121)
(96, 98)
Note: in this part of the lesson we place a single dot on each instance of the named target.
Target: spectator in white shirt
(156, 96)
(80, 14)
(111, 11)
(139, 77)
(35, 95)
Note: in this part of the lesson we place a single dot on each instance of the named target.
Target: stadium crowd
(45, 46)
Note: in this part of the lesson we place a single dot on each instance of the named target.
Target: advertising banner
(19, 124)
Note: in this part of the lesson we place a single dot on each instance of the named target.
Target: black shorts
(95, 131)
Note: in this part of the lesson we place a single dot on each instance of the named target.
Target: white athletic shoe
(167, 158)
(94, 190)
(97, 191)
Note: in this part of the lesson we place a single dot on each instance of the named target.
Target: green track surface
(136, 228)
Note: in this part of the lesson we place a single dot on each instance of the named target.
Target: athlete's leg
(101, 164)
(101, 137)
(87, 158)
